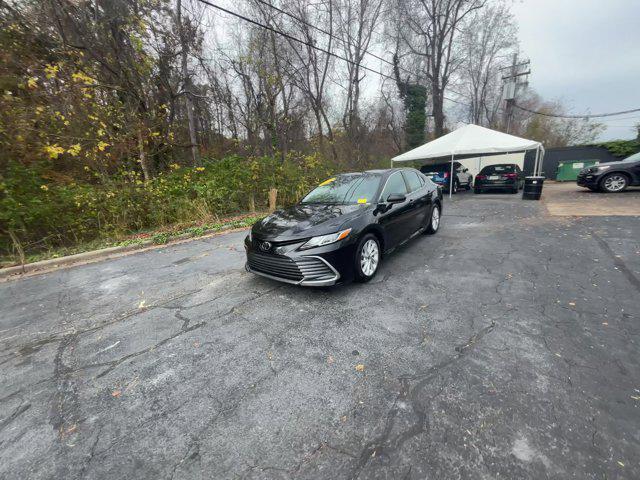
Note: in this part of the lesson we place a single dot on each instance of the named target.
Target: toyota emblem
(265, 246)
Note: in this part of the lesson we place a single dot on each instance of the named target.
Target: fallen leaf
(330, 360)
(605, 323)
(635, 397)
(558, 355)
(116, 393)
(360, 368)
(269, 356)
(343, 418)
(573, 304)
(620, 463)
(142, 304)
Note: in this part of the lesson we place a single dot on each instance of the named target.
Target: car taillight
(446, 174)
(480, 177)
(511, 175)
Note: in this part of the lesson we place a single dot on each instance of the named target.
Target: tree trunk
(147, 171)
(186, 78)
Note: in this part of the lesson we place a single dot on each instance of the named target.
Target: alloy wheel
(369, 257)
(435, 219)
(615, 183)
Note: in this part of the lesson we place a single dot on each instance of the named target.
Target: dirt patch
(568, 199)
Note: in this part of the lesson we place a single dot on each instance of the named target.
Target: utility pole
(511, 82)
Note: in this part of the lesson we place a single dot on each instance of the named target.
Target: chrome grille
(275, 265)
(306, 268)
(314, 269)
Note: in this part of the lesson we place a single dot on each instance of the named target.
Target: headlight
(601, 168)
(325, 239)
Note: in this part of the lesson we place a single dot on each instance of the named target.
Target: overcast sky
(585, 53)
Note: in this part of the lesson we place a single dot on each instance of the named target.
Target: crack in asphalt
(384, 444)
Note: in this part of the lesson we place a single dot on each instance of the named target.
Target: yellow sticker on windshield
(327, 182)
(362, 200)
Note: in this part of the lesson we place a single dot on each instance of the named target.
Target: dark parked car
(613, 176)
(441, 175)
(507, 176)
(341, 229)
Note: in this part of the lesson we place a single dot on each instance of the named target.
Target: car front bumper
(587, 180)
(315, 267)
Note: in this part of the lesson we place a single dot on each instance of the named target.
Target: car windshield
(492, 169)
(345, 189)
(633, 158)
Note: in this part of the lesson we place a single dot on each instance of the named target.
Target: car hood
(305, 220)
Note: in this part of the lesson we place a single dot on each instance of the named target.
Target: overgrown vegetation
(39, 211)
(621, 148)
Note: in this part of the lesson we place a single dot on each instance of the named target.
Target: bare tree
(355, 27)
(488, 40)
(432, 33)
(185, 33)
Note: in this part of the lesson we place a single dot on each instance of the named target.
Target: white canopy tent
(469, 140)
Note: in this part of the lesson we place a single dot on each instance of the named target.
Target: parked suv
(507, 176)
(612, 177)
(441, 175)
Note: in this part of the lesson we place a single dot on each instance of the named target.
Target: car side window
(413, 180)
(395, 184)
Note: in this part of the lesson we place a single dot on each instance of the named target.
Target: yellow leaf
(74, 150)
(360, 368)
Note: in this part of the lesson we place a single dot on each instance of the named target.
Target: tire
(515, 190)
(455, 187)
(434, 222)
(614, 183)
(477, 190)
(367, 246)
(468, 185)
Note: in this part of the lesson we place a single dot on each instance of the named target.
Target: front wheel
(367, 258)
(614, 182)
(434, 221)
(468, 185)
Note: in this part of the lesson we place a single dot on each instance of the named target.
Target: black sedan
(506, 176)
(341, 229)
(612, 177)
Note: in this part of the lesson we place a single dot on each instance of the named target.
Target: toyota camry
(341, 229)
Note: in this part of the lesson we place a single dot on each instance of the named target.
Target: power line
(557, 115)
(303, 42)
(326, 32)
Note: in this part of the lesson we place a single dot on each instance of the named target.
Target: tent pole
(451, 180)
(541, 160)
(535, 164)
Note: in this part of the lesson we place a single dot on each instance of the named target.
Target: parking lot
(505, 346)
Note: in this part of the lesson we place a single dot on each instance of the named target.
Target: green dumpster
(568, 171)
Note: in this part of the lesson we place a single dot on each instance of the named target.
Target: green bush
(43, 211)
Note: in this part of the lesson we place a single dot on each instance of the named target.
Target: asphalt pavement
(505, 346)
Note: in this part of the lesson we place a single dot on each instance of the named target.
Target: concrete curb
(102, 254)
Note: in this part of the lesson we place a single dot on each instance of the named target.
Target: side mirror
(396, 198)
(465, 170)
